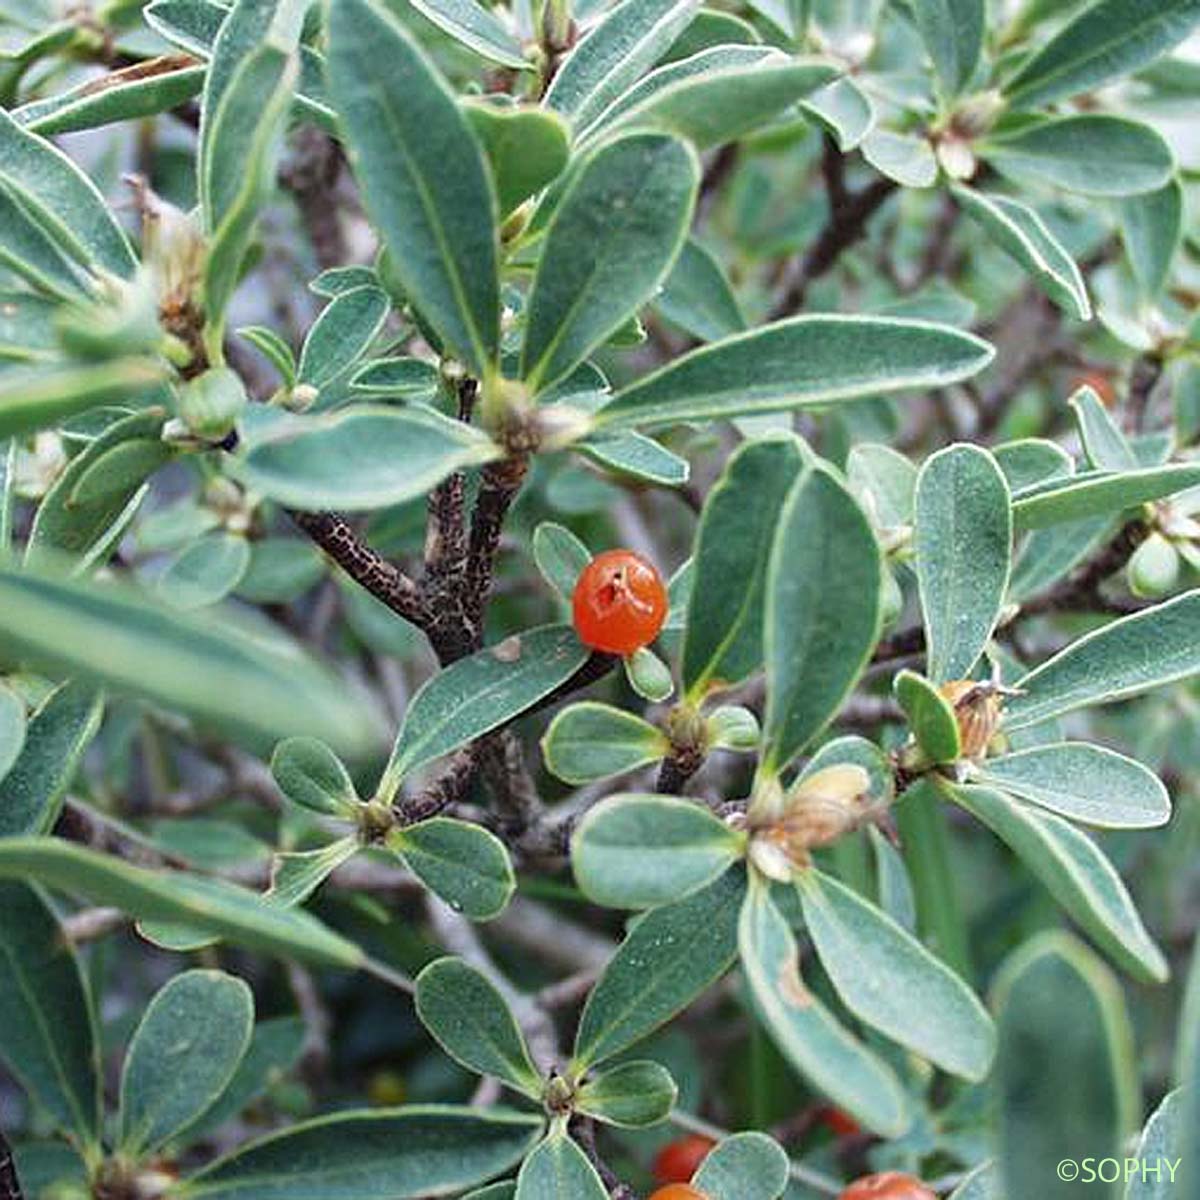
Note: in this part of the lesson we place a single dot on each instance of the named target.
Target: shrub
(723, 473)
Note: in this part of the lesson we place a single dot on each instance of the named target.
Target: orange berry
(679, 1160)
(891, 1185)
(678, 1191)
(620, 603)
(838, 1123)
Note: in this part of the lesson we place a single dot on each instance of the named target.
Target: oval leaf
(822, 612)
(472, 1022)
(640, 851)
(311, 775)
(1075, 873)
(183, 1055)
(747, 1166)
(47, 1025)
(559, 1170)
(806, 1034)
(300, 460)
(384, 1154)
(800, 363)
(1083, 782)
(890, 981)
(479, 693)
(631, 1095)
(669, 957)
(610, 244)
(963, 544)
(466, 866)
(423, 175)
(590, 741)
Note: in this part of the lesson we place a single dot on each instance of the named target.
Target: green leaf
(275, 1049)
(497, 1191)
(61, 200)
(1152, 230)
(142, 90)
(559, 1170)
(610, 244)
(560, 557)
(892, 882)
(805, 1032)
(1159, 1153)
(822, 612)
(382, 1154)
(842, 109)
(1061, 1015)
(903, 157)
(12, 732)
(981, 1184)
(410, 379)
(669, 957)
(1096, 154)
(636, 456)
(930, 716)
(631, 1095)
(57, 734)
(642, 851)
(273, 348)
(89, 497)
(963, 542)
(711, 27)
(606, 63)
(1076, 874)
(1105, 40)
(240, 144)
(723, 634)
(953, 32)
(238, 916)
(477, 694)
(1187, 1072)
(1085, 783)
(884, 482)
(193, 25)
(472, 1022)
(281, 570)
(1149, 649)
(1098, 493)
(465, 865)
(30, 252)
(922, 1005)
(295, 876)
(300, 460)
(526, 148)
(589, 741)
(206, 571)
(1107, 448)
(253, 685)
(183, 1055)
(343, 332)
(48, 1037)
(1020, 232)
(716, 96)
(474, 26)
(311, 775)
(27, 331)
(698, 297)
(423, 176)
(804, 362)
(746, 1166)
(32, 398)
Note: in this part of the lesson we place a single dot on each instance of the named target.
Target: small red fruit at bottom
(891, 1185)
(678, 1191)
(838, 1123)
(620, 603)
(679, 1160)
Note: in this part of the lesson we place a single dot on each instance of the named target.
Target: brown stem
(384, 580)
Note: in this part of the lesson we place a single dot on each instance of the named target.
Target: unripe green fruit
(211, 403)
(1154, 568)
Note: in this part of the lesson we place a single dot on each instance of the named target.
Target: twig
(384, 580)
(849, 213)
